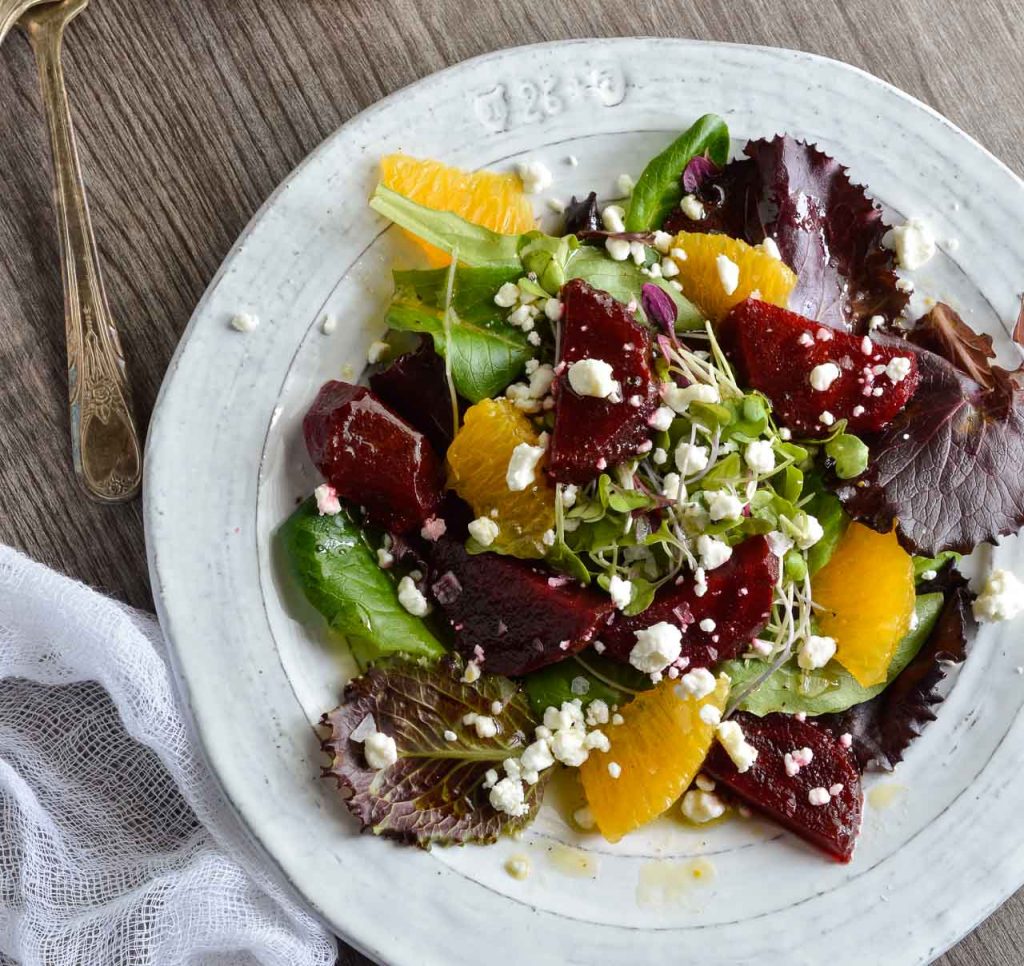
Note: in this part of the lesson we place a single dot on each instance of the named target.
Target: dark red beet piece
(373, 458)
(767, 787)
(518, 614)
(414, 387)
(776, 350)
(738, 617)
(592, 434)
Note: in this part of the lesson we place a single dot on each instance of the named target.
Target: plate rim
(362, 939)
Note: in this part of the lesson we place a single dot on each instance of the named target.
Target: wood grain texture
(189, 114)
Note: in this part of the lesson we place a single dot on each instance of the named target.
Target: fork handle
(104, 440)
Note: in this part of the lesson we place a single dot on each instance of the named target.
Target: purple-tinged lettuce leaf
(582, 215)
(698, 170)
(827, 229)
(884, 727)
(434, 793)
(947, 470)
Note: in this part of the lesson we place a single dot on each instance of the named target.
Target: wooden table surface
(189, 113)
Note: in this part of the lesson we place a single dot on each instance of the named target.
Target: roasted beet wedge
(738, 600)
(520, 616)
(592, 434)
(777, 352)
(769, 787)
(414, 387)
(373, 458)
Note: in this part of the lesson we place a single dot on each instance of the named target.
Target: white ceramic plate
(226, 464)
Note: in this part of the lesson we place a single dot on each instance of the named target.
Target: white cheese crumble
(913, 243)
(769, 247)
(329, 325)
(826, 418)
(793, 761)
(712, 552)
(553, 309)
(808, 531)
(594, 378)
(509, 796)
(816, 652)
(522, 466)
(707, 625)
(472, 673)
(662, 241)
(245, 322)
(728, 273)
(385, 558)
(507, 295)
(484, 531)
(625, 184)
(620, 591)
(700, 807)
(690, 458)
(759, 456)
(518, 866)
(898, 368)
(584, 818)
(1001, 599)
(696, 684)
(710, 715)
(819, 796)
(535, 176)
(613, 217)
(411, 599)
(723, 505)
(669, 269)
(656, 647)
(824, 375)
(486, 726)
(672, 487)
(618, 249)
(614, 769)
(731, 738)
(380, 750)
(661, 419)
(692, 208)
(327, 502)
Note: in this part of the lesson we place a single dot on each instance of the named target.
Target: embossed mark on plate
(511, 104)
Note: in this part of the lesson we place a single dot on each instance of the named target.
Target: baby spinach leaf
(485, 355)
(946, 471)
(476, 246)
(833, 519)
(337, 572)
(587, 676)
(831, 689)
(472, 292)
(434, 793)
(658, 190)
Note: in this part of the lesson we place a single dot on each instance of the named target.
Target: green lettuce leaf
(476, 246)
(485, 355)
(337, 571)
(658, 191)
(834, 521)
(434, 793)
(832, 688)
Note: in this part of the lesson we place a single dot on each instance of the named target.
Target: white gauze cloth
(116, 845)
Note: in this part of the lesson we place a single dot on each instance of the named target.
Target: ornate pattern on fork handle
(104, 440)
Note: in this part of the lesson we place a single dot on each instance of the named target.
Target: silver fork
(104, 441)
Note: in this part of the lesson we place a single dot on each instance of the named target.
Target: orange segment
(699, 275)
(659, 748)
(486, 198)
(867, 592)
(477, 467)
